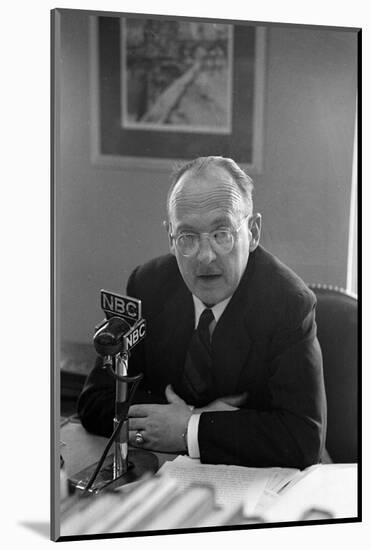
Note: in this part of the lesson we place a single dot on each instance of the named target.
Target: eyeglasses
(221, 240)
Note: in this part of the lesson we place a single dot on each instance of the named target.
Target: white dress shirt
(192, 429)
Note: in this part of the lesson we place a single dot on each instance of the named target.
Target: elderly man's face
(203, 203)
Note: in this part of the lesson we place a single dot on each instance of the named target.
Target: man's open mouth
(209, 277)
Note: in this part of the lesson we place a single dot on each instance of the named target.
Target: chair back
(337, 315)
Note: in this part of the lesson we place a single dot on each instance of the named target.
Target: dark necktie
(197, 379)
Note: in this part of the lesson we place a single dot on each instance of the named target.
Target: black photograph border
(55, 306)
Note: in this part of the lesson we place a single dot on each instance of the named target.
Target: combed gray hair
(201, 164)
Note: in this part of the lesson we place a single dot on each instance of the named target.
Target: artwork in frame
(173, 89)
(176, 75)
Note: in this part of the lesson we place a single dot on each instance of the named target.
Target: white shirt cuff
(192, 436)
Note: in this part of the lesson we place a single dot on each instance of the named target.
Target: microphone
(114, 338)
(108, 339)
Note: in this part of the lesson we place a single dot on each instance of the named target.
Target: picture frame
(161, 146)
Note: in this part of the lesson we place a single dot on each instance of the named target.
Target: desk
(330, 485)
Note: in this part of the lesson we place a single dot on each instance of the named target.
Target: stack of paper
(321, 491)
(234, 485)
(186, 494)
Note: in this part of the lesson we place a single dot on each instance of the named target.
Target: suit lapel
(173, 329)
(231, 343)
(230, 349)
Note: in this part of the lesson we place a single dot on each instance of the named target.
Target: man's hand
(162, 426)
(227, 403)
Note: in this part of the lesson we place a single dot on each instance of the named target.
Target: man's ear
(255, 223)
(167, 226)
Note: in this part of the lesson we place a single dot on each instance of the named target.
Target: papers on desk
(234, 485)
(323, 491)
(186, 493)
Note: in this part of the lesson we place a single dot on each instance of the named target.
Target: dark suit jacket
(264, 344)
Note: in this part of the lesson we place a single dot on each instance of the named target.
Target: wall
(109, 220)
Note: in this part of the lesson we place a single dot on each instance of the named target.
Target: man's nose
(206, 253)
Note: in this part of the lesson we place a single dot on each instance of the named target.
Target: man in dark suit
(232, 366)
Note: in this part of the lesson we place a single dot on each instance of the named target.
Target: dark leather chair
(337, 316)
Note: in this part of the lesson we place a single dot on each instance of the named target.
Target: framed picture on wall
(172, 89)
(176, 76)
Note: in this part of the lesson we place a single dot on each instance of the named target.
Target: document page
(329, 489)
(233, 485)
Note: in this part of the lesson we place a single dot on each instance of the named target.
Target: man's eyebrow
(222, 221)
(185, 228)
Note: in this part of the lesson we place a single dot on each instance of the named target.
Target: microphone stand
(121, 445)
(117, 470)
